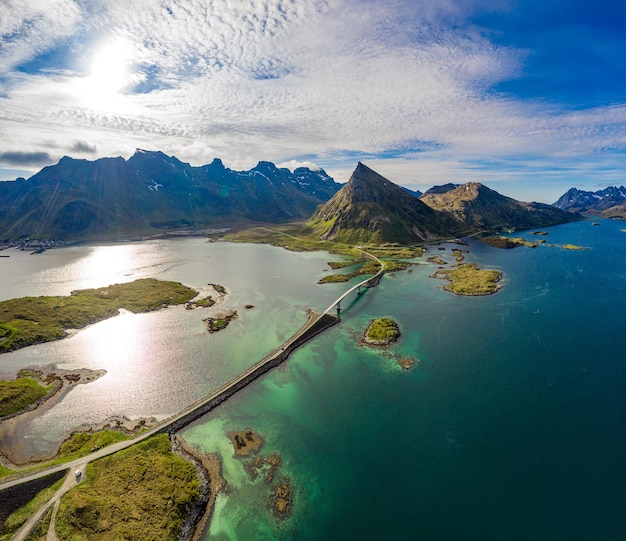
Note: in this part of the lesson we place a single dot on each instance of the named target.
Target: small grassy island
(498, 241)
(367, 267)
(381, 332)
(33, 320)
(219, 323)
(469, 279)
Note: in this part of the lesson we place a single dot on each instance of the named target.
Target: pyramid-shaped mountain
(151, 193)
(482, 208)
(371, 209)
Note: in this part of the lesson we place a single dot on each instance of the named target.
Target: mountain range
(151, 193)
(608, 203)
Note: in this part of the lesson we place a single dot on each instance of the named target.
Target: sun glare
(109, 74)
(109, 69)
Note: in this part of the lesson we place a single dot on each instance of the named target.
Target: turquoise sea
(512, 426)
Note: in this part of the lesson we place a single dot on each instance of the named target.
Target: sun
(108, 76)
(109, 68)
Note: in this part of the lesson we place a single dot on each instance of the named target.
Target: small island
(381, 332)
(499, 241)
(368, 267)
(218, 323)
(468, 279)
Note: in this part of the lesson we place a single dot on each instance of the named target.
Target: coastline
(209, 467)
(12, 427)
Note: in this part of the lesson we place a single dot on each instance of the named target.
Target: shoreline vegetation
(507, 243)
(33, 320)
(143, 492)
(33, 387)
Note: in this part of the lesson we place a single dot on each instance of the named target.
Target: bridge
(315, 324)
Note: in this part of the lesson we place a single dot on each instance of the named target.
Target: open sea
(512, 425)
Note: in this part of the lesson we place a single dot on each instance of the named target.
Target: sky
(525, 96)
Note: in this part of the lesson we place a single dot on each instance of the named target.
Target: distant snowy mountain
(608, 203)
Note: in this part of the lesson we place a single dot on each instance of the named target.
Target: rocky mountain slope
(608, 203)
(151, 193)
(482, 208)
(371, 209)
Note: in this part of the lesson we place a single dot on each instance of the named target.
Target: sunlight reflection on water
(159, 362)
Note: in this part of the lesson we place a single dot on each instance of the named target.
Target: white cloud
(28, 27)
(247, 80)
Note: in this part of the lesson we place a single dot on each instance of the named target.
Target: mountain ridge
(609, 202)
(480, 208)
(152, 192)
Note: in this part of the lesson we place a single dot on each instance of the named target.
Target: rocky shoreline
(209, 468)
(247, 443)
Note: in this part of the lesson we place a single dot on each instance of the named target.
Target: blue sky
(528, 96)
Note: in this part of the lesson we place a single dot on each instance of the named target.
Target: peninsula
(33, 320)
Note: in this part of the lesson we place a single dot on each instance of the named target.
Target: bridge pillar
(338, 307)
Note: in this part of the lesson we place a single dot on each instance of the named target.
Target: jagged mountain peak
(610, 202)
(367, 186)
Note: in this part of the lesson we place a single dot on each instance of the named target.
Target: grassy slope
(144, 492)
(32, 320)
(16, 519)
(16, 395)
